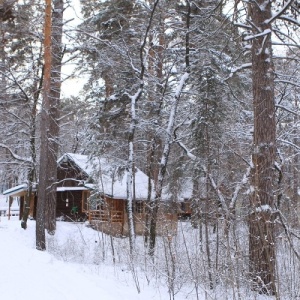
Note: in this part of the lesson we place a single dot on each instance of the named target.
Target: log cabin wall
(110, 219)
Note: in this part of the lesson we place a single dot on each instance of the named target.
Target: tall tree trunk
(295, 180)
(55, 89)
(43, 174)
(155, 68)
(37, 87)
(261, 239)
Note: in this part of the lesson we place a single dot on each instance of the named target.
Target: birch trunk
(130, 168)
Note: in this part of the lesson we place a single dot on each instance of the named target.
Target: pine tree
(261, 240)
(45, 126)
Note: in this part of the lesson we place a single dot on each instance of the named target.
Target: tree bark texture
(261, 226)
(55, 90)
(43, 176)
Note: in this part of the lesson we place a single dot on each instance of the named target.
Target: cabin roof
(20, 189)
(185, 189)
(109, 175)
(71, 188)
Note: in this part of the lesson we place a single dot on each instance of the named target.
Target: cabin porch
(111, 218)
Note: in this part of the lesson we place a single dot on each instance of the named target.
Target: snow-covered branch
(289, 143)
(16, 156)
(221, 198)
(220, 195)
(287, 109)
(239, 187)
(279, 13)
(288, 234)
(239, 68)
(289, 19)
(288, 82)
(261, 34)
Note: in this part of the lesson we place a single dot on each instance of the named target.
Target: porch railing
(112, 216)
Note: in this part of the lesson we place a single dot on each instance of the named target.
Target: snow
(263, 5)
(243, 66)
(71, 188)
(110, 181)
(280, 12)
(4, 204)
(251, 37)
(16, 189)
(185, 189)
(264, 208)
(78, 265)
(31, 274)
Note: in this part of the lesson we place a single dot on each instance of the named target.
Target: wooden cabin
(104, 193)
(96, 190)
(71, 191)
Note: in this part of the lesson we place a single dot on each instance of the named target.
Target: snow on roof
(19, 189)
(14, 191)
(110, 175)
(80, 160)
(71, 188)
(185, 189)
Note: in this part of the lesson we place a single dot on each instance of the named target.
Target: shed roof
(21, 189)
(16, 190)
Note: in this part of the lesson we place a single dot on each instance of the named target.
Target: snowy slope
(30, 274)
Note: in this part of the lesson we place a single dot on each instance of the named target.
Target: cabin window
(139, 207)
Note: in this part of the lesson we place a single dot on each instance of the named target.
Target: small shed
(18, 194)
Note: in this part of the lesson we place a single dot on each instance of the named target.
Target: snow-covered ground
(27, 273)
(4, 205)
(81, 263)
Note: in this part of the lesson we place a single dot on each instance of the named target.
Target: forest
(201, 96)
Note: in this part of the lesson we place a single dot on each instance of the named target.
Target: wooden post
(9, 205)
